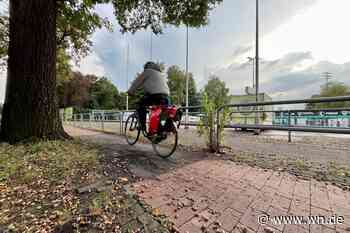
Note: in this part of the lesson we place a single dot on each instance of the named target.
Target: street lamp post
(127, 77)
(257, 63)
(187, 78)
(151, 46)
(251, 59)
(257, 53)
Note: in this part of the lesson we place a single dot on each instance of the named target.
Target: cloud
(92, 64)
(230, 34)
(287, 76)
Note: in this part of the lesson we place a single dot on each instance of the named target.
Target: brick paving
(200, 194)
(221, 196)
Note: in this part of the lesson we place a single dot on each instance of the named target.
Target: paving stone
(261, 179)
(274, 180)
(214, 228)
(240, 228)
(321, 229)
(267, 229)
(237, 195)
(338, 197)
(302, 189)
(191, 228)
(268, 190)
(228, 219)
(275, 212)
(319, 195)
(157, 201)
(343, 228)
(287, 185)
(281, 202)
(223, 202)
(183, 215)
(341, 211)
(299, 207)
(200, 222)
(262, 202)
(241, 203)
(295, 229)
(250, 219)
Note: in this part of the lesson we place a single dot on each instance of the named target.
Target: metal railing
(103, 118)
(288, 128)
(289, 115)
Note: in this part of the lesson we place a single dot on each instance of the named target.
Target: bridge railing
(289, 127)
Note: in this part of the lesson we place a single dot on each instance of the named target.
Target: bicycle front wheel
(165, 144)
(132, 129)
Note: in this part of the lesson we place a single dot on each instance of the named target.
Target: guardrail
(288, 128)
(105, 117)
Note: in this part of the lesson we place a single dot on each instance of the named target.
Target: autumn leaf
(156, 212)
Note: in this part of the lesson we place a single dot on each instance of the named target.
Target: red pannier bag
(156, 115)
(154, 119)
(171, 112)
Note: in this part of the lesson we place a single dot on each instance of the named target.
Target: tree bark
(31, 108)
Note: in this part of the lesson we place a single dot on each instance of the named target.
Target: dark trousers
(149, 100)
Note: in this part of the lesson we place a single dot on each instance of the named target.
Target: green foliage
(75, 91)
(177, 86)
(215, 95)
(76, 22)
(206, 126)
(104, 95)
(134, 100)
(217, 92)
(63, 67)
(332, 90)
(135, 15)
(4, 36)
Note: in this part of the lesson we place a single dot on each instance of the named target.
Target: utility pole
(328, 76)
(257, 53)
(127, 77)
(187, 81)
(151, 45)
(251, 59)
(257, 61)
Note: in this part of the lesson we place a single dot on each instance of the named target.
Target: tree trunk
(30, 108)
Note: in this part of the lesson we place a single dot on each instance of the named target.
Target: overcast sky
(300, 39)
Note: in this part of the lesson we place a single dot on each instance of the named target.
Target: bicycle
(166, 128)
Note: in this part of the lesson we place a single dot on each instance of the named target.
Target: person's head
(152, 65)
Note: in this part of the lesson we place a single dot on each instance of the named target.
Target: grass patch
(37, 182)
(40, 190)
(54, 160)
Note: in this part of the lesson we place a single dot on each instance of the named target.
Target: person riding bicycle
(156, 91)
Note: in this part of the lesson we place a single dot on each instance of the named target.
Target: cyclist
(154, 84)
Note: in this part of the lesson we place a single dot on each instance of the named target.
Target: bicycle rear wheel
(164, 145)
(132, 129)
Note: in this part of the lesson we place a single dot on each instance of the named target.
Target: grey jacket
(152, 82)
